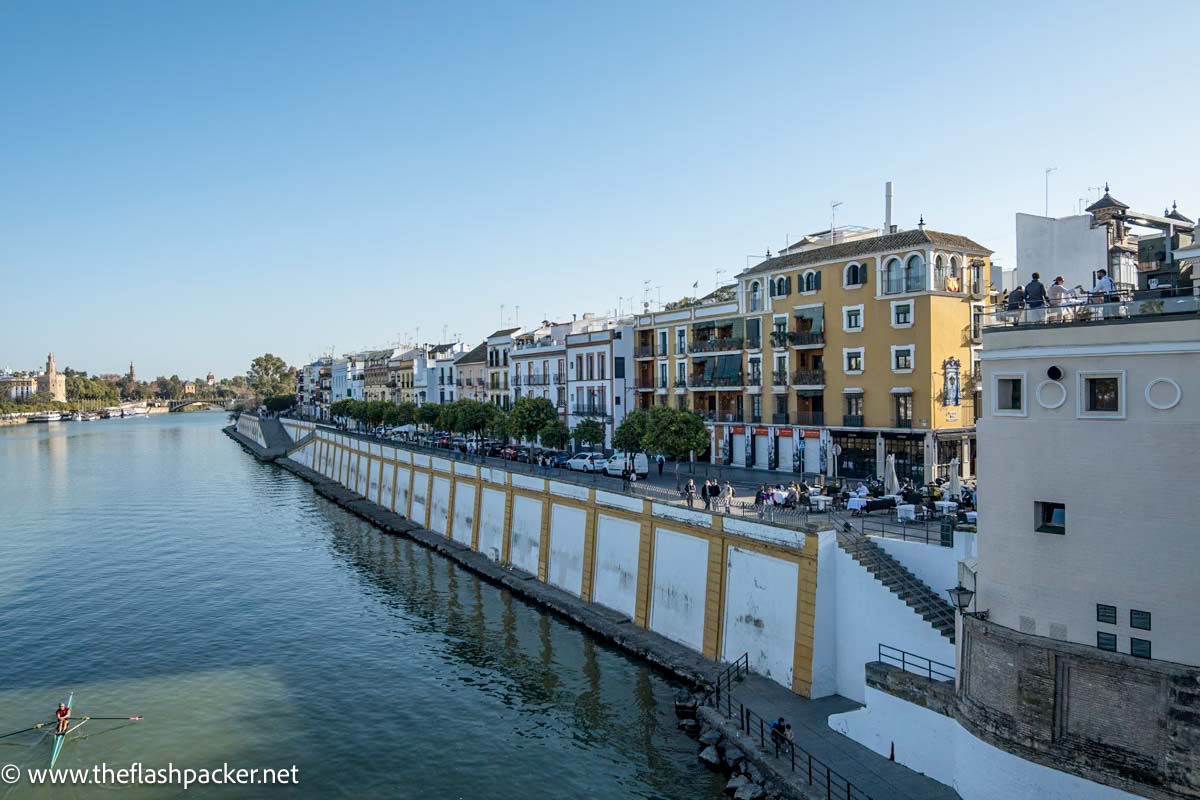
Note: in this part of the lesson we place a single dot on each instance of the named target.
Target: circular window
(1163, 393)
(1051, 394)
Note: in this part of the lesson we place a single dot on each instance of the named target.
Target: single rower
(64, 717)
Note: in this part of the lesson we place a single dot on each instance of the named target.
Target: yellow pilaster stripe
(714, 600)
(806, 617)
(645, 579)
(475, 523)
(589, 551)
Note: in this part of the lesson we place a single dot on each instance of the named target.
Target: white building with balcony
(600, 386)
(538, 364)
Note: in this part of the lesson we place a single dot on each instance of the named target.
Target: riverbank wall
(711, 587)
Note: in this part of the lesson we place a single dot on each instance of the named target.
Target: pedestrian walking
(689, 493)
(706, 493)
(662, 462)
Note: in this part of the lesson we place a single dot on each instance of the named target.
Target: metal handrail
(920, 665)
(818, 774)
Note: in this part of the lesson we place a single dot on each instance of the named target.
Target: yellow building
(400, 377)
(834, 354)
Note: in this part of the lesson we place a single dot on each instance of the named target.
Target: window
(1102, 394)
(902, 358)
(852, 318)
(914, 274)
(854, 359)
(600, 366)
(662, 343)
(680, 341)
(1050, 518)
(812, 281)
(756, 407)
(902, 314)
(1139, 619)
(904, 410)
(894, 276)
(854, 405)
(753, 333)
(1139, 648)
(755, 297)
(618, 366)
(782, 287)
(1009, 396)
(1106, 614)
(1106, 641)
(855, 275)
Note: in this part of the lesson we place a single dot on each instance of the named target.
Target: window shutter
(788, 284)
(817, 280)
(770, 288)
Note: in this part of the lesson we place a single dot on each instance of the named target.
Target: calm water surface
(152, 567)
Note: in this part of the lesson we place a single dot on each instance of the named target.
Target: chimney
(887, 208)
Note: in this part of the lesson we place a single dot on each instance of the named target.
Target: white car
(616, 465)
(587, 462)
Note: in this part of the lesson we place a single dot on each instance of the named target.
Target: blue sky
(191, 184)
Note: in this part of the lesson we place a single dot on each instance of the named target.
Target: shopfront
(909, 450)
(854, 454)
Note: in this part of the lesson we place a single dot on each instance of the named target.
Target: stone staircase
(273, 431)
(899, 581)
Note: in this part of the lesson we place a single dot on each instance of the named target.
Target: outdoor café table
(945, 506)
(906, 511)
(820, 501)
(854, 503)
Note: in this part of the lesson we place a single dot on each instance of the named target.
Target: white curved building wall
(491, 523)
(439, 506)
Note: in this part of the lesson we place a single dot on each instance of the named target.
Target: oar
(133, 719)
(37, 727)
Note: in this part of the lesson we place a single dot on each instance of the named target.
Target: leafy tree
(631, 432)
(500, 424)
(447, 418)
(530, 415)
(475, 417)
(589, 431)
(427, 415)
(269, 376)
(675, 433)
(374, 411)
(555, 434)
(281, 403)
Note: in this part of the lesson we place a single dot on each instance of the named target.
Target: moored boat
(46, 416)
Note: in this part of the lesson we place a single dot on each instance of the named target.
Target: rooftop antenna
(517, 316)
(502, 315)
(1048, 171)
(720, 272)
(659, 290)
(1097, 190)
(444, 327)
(833, 207)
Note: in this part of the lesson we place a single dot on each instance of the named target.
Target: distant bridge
(179, 405)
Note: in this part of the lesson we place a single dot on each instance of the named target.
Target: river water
(153, 568)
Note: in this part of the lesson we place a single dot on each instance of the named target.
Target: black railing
(770, 740)
(919, 665)
(726, 380)
(810, 417)
(852, 420)
(754, 344)
(929, 532)
(754, 380)
(715, 345)
(643, 352)
(779, 419)
(904, 423)
(809, 377)
(799, 338)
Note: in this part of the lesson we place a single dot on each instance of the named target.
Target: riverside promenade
(871, 775)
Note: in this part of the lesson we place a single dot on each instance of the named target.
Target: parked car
(559, 458)
(587, 462)
(617, 464)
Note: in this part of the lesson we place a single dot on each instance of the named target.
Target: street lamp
(961, 597)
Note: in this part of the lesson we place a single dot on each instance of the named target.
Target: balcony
(680, 383)
(645, 384)
(811, 418)
(805, 338)
(481, 382)
(754, 380)
(779, 419)
(661, 352)
(713, 416)
(559, 380)
(779, 339)
(852, 420)
(716, 345)
(754, 344)
(808, 377)
(1120, 307)
(662, 384)
(458, 381)
(727, 382)
(643, 352)
(755, 419)
(778, 380)
(537, 380)
(904, 423)
(599, 412)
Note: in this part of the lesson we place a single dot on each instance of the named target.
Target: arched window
(856, 275)
(780, 287)
(914, 274)
(895, 276)
(955, 266)
(755, 297)
(812, 281)
(939, 272)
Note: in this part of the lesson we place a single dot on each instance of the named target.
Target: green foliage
(427, 415)
(554, 434)
(588, 431)
(269, 376)
(80, 387)
(447, 418)
(280, 403)
(674, 432)
(631, 433)
(500, 424)
(530, 415)
(474, 416)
